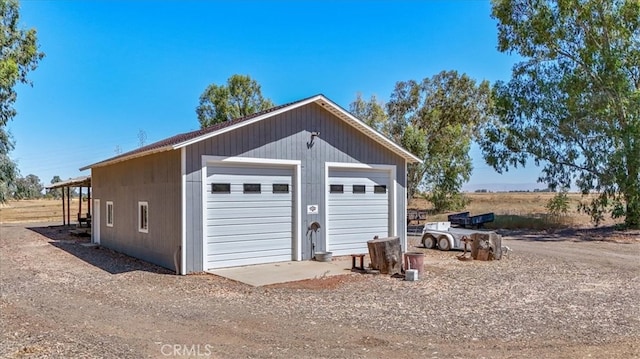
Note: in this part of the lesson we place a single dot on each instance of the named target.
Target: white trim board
(257, 162)
(393, 187)
(183, 194)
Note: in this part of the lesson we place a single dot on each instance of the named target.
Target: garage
(249, 215)
(252, 190)
(358, 208)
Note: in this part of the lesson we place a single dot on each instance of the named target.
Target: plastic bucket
(323, 256)
(414, 260)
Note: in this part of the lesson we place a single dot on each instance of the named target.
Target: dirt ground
(566, 295)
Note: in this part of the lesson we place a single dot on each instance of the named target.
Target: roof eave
(126, 158)
(246, 123)
(320, 100)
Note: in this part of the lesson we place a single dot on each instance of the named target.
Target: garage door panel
(245, 261)
(339, 225)
(366, 197)
(248, 228)
(228, 213)
(364, 215)
(254, 221)
(367, 232)
(356, 205)
(356, 229)
(249, 198)
(274, 244)
(278, 255)
(239, 237)
(268, 229)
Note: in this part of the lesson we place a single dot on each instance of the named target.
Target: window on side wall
(143, 217)
(109, 213)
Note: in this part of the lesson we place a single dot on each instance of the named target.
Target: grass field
(520, 210)
(38, 210)
(513, 210)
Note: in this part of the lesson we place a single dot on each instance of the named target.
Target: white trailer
(442, 235)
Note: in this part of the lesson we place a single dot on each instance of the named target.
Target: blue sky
(117, 67)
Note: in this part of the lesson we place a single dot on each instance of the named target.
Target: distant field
(513, 210)
(519, 210)
(38, 210)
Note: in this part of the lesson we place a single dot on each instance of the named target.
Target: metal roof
(188, 138)
(84, 181)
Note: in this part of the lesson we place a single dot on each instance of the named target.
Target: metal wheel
(428, 241)
(443, 243)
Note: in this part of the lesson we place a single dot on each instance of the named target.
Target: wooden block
(386, 255)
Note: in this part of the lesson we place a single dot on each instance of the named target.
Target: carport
(80, 183)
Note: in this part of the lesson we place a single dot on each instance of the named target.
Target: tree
(372, 112)
(8, 175)
(436, 119)
(28, 188)
(242, 96)
(573, 104)
(55, 192)
(18, 55)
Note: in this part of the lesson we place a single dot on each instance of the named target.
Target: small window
(380, 189)
(143, 217)
(280, 188)
(109, 214)
(221, 188)
(336, 188)
(358, 188)
(252, 188)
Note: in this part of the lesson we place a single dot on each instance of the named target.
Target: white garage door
(358, 209)
(249, 216)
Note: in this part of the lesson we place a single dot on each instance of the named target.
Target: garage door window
(221, 188)
(336, 188)
(143, 217)
(280, 188)
(358, 188)
(380, 189)
(252, 188)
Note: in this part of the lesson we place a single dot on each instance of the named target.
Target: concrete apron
(265, 274)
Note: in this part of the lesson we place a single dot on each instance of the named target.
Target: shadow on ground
(106, 259)
(594, 234)
(550, 234)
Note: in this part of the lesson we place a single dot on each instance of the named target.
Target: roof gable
(188, 138)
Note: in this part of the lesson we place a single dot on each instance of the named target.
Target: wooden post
(386, 255)
(80, 204)
(64, 219)
(68, 206)
(89, 201)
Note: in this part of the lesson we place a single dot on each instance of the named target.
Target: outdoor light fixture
(314, 134)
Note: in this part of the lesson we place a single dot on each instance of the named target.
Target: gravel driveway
(554, 296)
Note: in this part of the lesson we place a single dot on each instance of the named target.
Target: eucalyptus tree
(436, 119)
(19, 55)
(241, 96)
(573, 102)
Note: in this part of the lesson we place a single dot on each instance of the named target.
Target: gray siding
(155, 179)
(286, 136)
